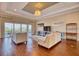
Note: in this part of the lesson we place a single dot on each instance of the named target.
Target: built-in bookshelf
(71, 31)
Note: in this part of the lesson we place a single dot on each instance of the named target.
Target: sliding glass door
(24, 28)
(17, 28)
(11, 28)
(14, 27)
(8, 29)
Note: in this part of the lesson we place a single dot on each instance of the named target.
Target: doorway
(29, 30)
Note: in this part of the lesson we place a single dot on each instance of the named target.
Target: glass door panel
(8, 29)
(24, 28)
(17, 28)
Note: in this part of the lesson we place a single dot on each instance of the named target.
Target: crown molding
(55, 10)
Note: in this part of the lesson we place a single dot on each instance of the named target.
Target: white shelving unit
(71, 31)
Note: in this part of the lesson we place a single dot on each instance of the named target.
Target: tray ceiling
(52, 9)
(32, 6)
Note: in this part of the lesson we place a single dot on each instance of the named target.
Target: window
(8, 27)
(24, 28)
(29, 28)
(17, 28)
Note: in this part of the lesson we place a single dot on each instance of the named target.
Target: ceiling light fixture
(15, 9)
(38, 7)
(37, 12)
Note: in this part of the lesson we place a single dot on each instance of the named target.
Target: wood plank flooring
(64, 48)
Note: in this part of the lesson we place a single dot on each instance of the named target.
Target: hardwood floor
(64, 48)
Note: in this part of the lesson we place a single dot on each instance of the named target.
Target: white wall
(61, 21)
(0, 28)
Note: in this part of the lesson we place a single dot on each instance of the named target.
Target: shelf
(71, 31)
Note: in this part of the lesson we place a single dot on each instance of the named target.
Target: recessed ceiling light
(15, 9)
